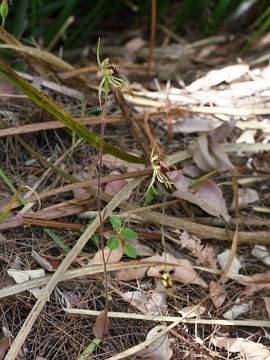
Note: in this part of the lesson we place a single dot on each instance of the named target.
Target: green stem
(106, 85)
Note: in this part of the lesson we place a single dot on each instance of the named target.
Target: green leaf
(149, 197)
(43, 102)
(130, 251)
(129, 234)
(116, 222)
(113, 243)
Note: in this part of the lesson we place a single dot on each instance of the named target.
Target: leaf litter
(232, 88)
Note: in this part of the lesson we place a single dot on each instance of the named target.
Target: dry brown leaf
(207, 195)
(183, 273)
(4, 345)
(261, 253)
(102, 325)
(267, 304)
(131, 274)
(25, 275)
(114, 256)
(245, 196)
(154, 304)
(248, 349)
(237, 310)
(252, 288)
(159, 349)
(223, 259)
(217, 294)
(113, 187)
(46, 262)
(209, 155)
(205, 254)
(215, 77)
(199, 310)
(114, 163)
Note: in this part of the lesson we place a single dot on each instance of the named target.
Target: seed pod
(3, 12)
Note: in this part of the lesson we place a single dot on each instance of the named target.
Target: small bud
(3, 12)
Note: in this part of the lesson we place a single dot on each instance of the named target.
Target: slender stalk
(99, 200)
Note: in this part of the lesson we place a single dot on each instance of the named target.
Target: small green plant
(3, 12)
(122, 234)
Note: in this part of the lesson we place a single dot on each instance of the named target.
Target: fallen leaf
(247, 136)
(207, 195)
(66, 298)
(261, 253)
(221, 132)
(44, 261)
(102, 325)
(245, 196)
(263, 278)
(183, 273)
(138, 297)
(217, 294)
(205, 254)
(159, 349)
(192, 171)
(209, 155)
(267, 304)
(249, 349)
(113, 187)
(114, 256)
(131, 274)
(223, 259)
(133, 45)
(4, 345)
(25, 275)
(215, 77)
(154, 304)
(114, 163)
(236, 310)
(199, 310)
(40, 358)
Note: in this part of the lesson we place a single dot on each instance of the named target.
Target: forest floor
(205, 110)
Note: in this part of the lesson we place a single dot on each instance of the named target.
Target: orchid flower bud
(3, 12)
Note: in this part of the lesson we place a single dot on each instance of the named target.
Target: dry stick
(161, 318)
(153, 33)
(95, 269)
(31, 318)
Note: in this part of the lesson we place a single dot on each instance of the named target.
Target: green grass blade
(90, 348)
(42, 101)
